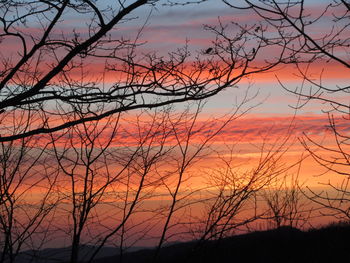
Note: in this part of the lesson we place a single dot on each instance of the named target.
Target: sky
(167, 28)
(273, 106)
(269, 119)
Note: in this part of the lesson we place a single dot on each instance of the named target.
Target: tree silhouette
(63, 93)
(28, 196)
(297, 25)
(52, 74)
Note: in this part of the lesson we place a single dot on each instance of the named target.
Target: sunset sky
(267, 118)
(166, 28)
(169, 28)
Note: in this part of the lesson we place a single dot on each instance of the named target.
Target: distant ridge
(62, 255)
(283, 245)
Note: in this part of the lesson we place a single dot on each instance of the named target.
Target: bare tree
(296, 28)
(190, 146)
(50, 83)
(313, 52)
(234, 201)
(105, 183)
(286, 203)
(43, 73)
(100, 175)
(335, 160)
(27, 195)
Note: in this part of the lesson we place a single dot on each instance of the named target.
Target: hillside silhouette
(285, 244)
